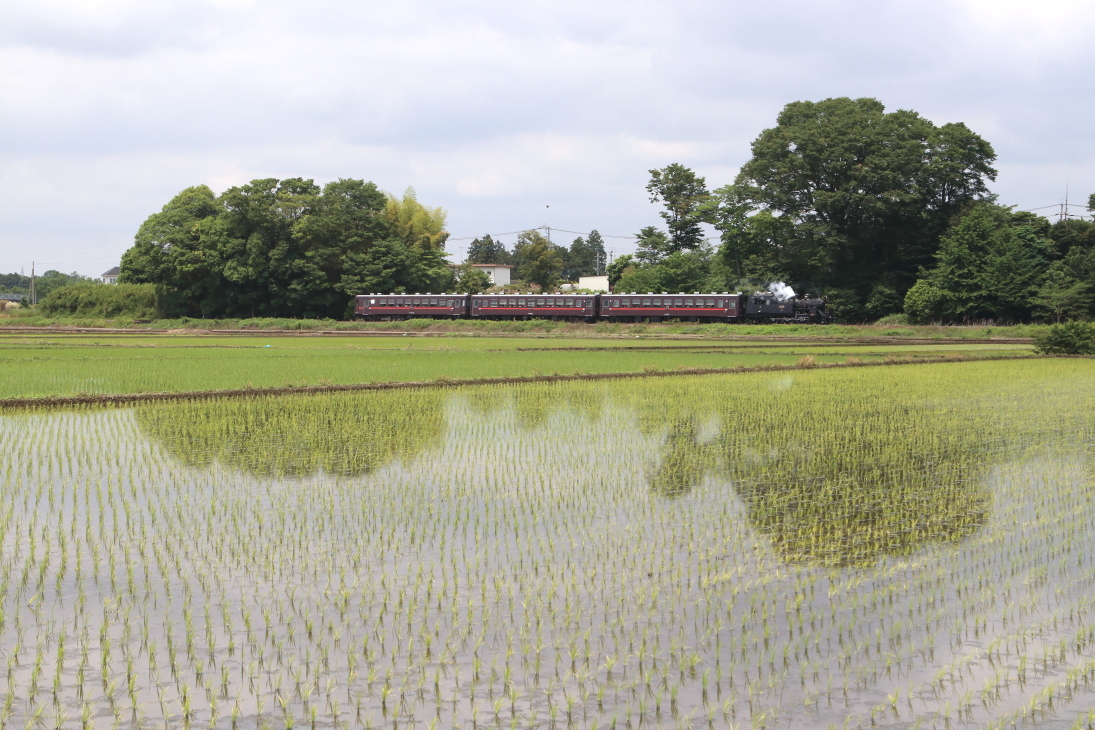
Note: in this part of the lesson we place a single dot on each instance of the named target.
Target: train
(760, 307)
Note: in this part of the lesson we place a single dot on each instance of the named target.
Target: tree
(863, 195)
(617, 269)
(1069, 338)
(172, 249)
(678, 272)
(420, 228)
(596, 244)
(989, 266)
(585, 257)
(470, 280)
(486, 250)
(652, 246)
(538, 260)
(683, 193)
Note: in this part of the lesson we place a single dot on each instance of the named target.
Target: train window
(520, 302)
(589, 303)
(646, 302)
(415, 302)
(719, 304)
(710, 302)
(494, 302)
(678, 302)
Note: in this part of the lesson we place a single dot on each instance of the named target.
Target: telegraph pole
(33, 297)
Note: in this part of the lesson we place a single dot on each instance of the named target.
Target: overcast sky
(495, 110)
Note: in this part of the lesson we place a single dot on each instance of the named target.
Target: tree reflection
(685, 459)
(339, 433)
(845, 488)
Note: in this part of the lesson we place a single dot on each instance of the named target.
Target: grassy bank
(477, 327)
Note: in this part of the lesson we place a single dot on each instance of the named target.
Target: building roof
(494, 266)
(9, 297)
(117, 270)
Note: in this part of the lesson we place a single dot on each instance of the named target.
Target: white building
(593, 283)
(498, 273)
(111, 277)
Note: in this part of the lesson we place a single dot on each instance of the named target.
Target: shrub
(103, 300)
(924, 303)
(1070, 338)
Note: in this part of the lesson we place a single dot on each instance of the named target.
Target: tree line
(44, 283)
(881, 213)
(289, 248)
(536, 260)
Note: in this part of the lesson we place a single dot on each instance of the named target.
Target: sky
(508, 115)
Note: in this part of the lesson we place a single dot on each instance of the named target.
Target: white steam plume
(782, 291)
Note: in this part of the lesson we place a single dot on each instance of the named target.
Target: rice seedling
(891, 545)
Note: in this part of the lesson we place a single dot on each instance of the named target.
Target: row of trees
(44, 284)
(880, 213)
(996, 263)
(288, 248)
(537, 260)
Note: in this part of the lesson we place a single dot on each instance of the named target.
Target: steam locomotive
(761, 307)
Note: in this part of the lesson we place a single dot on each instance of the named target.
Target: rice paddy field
(906, 546)
(40, 366)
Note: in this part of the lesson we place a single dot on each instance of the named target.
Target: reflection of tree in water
(845, 489)
(685, 459)
(340, 433)
(849, 518)
(829, 481)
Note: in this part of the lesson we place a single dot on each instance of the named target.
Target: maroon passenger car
(657, 307)
(524, 306)
(405, 306)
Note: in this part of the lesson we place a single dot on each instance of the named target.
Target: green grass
(544, 328)
(111, 364)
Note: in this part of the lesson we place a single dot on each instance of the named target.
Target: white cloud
(493, 110)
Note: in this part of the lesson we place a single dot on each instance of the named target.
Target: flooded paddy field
(906, 546)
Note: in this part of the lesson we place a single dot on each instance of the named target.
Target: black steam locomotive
(628, 307)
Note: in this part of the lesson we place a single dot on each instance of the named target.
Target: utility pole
(33, 298)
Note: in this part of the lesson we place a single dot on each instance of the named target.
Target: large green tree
(683, 193)
(860, 196)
